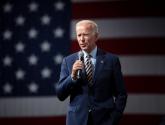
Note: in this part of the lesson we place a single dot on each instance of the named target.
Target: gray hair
(93, 24)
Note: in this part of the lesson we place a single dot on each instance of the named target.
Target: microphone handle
(81, 58)
(79, 74)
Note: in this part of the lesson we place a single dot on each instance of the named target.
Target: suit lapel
(99, 64)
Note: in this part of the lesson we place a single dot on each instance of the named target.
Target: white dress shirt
(93, 58)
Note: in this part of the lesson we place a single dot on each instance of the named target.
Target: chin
(83, 48)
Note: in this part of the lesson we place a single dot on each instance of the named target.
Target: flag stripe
(43, 106)
(127, 27)
(50, 120)
(145, 84)
(137, 119)
(143, 65)
(133, 119)
(141, 119)
(115, 9)
(148, 103)
(23, 107)
(131, 46)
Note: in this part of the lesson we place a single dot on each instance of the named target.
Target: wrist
(73, 77)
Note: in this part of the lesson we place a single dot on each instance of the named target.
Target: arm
(68, 79)
(65, 84)
(120, 91)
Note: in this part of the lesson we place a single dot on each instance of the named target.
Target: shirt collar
(92, 53)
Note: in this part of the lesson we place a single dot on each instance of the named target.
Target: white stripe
(128, 27)
(143, 65)
(44, 106)
(144, 104)
(51, 106)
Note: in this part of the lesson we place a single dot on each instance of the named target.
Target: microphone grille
(81, 55)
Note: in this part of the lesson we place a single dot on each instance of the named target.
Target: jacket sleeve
(120, 91)
(65, 84)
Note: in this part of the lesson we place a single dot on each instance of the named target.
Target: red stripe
(115, 9)
(140, 119)
(145, 84)
(130, 46)
(56, 120)
(128, 119)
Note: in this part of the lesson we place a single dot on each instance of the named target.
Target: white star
(33, 33)
(45, 46)
(20, 74)
(58, 59)
(7, 8)
(58, 32)
(33, 87)
(7, 34)
(33, 7)
(7, 61)
(33, 60)
(59, 5)
(20, 20)
(45, 20)
(7, 88)
(19, 47)
(45, 73)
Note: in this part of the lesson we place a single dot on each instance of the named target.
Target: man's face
(86, 37)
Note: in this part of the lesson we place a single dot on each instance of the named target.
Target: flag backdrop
(36, 34)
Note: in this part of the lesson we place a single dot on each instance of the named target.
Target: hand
(76, 66)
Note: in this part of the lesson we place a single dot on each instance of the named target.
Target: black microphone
(81, 58)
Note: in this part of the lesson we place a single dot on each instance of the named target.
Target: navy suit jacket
(106, 98)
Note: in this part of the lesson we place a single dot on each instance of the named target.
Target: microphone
(81, 58)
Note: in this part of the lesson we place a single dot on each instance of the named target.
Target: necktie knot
(88, 56)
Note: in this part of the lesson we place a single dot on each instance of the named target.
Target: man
(98, 97)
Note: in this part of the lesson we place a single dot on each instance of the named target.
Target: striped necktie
(89, 70)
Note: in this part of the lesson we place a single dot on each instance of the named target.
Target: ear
(97, 36)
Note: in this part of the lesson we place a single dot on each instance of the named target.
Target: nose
(82, 38)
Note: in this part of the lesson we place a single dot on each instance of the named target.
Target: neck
(89, 51)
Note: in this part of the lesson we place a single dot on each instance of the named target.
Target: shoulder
(71, 57)
(112, 58)
(69, 60)
(107, 55)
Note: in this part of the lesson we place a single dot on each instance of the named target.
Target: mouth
(82, 45)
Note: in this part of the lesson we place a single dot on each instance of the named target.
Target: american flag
(34, 38)
(35, 35)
